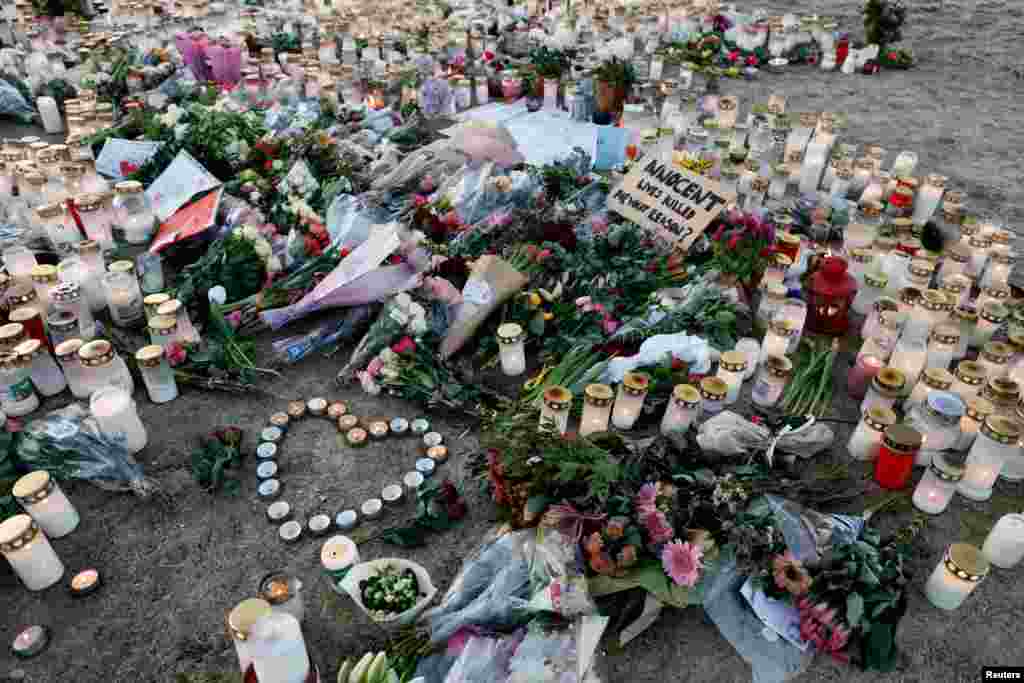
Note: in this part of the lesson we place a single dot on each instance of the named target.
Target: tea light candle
(378, 430)
(630, 399)
(85, 582)
(279, 511)
(399, 426)
(867, 437)
(962, 568)
(996, 439)
(512, 347)
(43, 500)
(347, 520)
(1004, 545)
(336, 410)
(426, 466)
(283, 593)
(269, 489)
(371, 509)
(290, 531)
(356, 437)
(266, 451)
(347, 423)
(431, 439)
(317, 407)
(438, 453)
(280, 421)
(554, 411)
(319, 524)
(30, 554)
(412, 482)
(271, 434)
(240, 623)
(337, 556)
(392, 493)
(937, 486)
(279, 649)
(31, 641)
(731, 367)
(597, 407)
(752, 349)
(420, 426)
(296, 409)
(266, 469)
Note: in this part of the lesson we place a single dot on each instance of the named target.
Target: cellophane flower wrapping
(399, 317)
(492, 281)
(69, 444)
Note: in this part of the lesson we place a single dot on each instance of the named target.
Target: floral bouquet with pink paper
(492, 282)
(401, 316)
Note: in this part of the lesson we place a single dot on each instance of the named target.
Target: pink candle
(859, 378)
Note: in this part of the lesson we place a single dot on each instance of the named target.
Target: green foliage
(435, 512)
(232, 262)
(216, 456)
(616, 71)
(549, 62)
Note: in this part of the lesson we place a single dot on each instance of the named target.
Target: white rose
(274, 264)
(403, 301)
(262, 249)
(250, 233)
(418, 326)
(369, 386)
(416, 311)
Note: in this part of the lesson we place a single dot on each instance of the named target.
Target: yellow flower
(534, 299)
(548, 315)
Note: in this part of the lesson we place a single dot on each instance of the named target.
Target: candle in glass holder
(44, 281)
(864, 441)
(337, 556)
(881, 306)
(512, 346)
(896, 456)
(597, 408)
(630, 399)
(31, 322)
(776, 340)
(156, 374)
(957, 289)
(38, 493)
(873, 288)
(861, 374)
(932, 379)
(124, 299)
(938, 421)
(683, 409)
(886, 388)
(942, 346)
(998, 272)
(115, 413)
(955, 262)
(19, 262)
(976, 411)
(772, 297)
(284, 593)
(962, 568)
(554, 411)
(795, 311)
(731, 368)
(928, 198)
(752, 350)
(993, 293)
(278, 649)
(995, 358)
(772, 379)
(30, 554)
(713, 392)
(969, 379)
(240, 622)
(909, 357)
(996, 440)
(936, 488)
(1004, 545)
(185, 331)
(1003, 393)
(991, 317)
(46, 375)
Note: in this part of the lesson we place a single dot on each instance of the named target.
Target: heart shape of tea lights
(357, 434)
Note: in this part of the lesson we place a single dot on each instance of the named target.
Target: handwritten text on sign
(668, 201)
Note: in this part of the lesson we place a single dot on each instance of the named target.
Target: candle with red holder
(829, 297)
(896, 456)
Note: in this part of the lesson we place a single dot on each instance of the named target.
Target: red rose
(892, 56)
(267, 165)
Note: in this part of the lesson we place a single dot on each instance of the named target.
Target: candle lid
(938, 378)
(128, 187)
(970, 372)
(347, 422)
(96, 353)
(994, 351)
(87, 246)
(1016, 340)
(959, 253)
(1001, 429)
(946, 405)
(150, 356)
(40, 639)
(290, 531)
(733, 361)
(979, 241)
(67, 350)
(876, 280)
(933, 300)
(946, 334)
(955, 284)
(557, 397)
(966, 562)
(21, 294)
(880, 418)
(978, 408)
(336, 410)
(378, 429)
(168, 308)
(902, 439)
(269, 488)
(17, 531)
(1001, 390)
(163, 325)
(246, 613)
(66, 291)
(510, 333)
(296, 409)
(12, 334)
(713, 388)
(687, 395)
(637, 383)
(886, 303)
(598, 395)
(945, 470)
(88, 203)
(50, 210)
(28, 348)
(33, 488)
(921, 267)
(778, 366)
(1001, 237)
(890, 380)
(995, 291)
(23, 315)
(783, 327)
(862, 255)
(319, 524)
(994, 312)
(279, 511)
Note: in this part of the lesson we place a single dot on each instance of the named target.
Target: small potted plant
(534, 101)
(550, 65)
(613, 80)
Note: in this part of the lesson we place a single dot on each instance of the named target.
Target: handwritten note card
(181, 181)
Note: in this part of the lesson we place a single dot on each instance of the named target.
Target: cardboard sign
(776, 104)
(118, 158)
(182, 180)
(188, 221)
(668, 201)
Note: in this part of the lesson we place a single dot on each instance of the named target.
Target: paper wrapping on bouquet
(364, 570)
(491, 283)
(13, 104)
(730, 434)
(692, 350)
(350, 221)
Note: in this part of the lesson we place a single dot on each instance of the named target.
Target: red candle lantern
(830, 295)
(896, 456)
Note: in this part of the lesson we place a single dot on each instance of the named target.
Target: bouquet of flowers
(400, 316)
(410, 369)
(742, 245)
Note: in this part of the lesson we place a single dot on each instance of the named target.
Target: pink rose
(500, 219)
(375, 366)
(234, 318)
(543, 254)
(598, 308)
(175, 353)
(404, 345)
(451, 219)
(599, 224)
(610, 326)
(734, 55)
(441, 290)
(427, 184)
(421, 200)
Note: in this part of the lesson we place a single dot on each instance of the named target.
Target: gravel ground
(171, 572)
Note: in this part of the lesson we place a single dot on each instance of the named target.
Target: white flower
(262, 248)
(171, 116)
(274, 264)
(368, 384)
(250, 233)
(278, 165)
(403, 301)
(416, 311)
(418, 326)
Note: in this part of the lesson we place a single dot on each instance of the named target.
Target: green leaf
(408, 537)
(867, 576)
(854, 609)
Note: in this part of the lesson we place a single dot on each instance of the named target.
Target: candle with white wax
(866, 438)
(776, 340)
(554, 411)
(337, 556)
(597, 408)
(731, 368)
(630, 399)
(997, 437)
(683, 408)
(1004, 546)
(31, 556)
(42, 499)
(928, 198)
(240, 623)
(115, 412)
(512, 349)
(962, 568)
(279, 650)
(937, 486)
(752, 350)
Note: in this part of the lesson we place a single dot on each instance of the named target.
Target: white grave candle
(279, 650)
(961, 570)
(1004, 546)
(31, 556)
(43, 500)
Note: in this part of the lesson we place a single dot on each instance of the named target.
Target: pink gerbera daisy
(646, 499)
(682, 562)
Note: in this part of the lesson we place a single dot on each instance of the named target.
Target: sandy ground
(170, 573)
